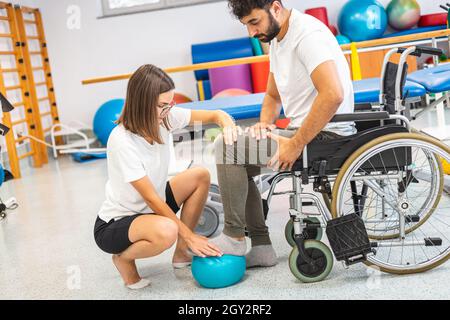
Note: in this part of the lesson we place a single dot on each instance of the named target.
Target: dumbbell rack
(17, 19)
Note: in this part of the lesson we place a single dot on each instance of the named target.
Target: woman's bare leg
(151, 235)
(190, 189)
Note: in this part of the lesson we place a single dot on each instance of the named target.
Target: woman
(138, 218)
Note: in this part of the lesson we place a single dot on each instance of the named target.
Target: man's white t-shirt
(130, 158)
(307, 44)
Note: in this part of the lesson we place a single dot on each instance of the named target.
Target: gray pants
(237, 165)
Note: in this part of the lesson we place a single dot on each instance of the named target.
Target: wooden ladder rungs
(28, 10)
(38, 68)
(18, 104)
(9, 70)
(35, 52)
(40, 83)
(7, 53)
(13, 87)
(47, 129)
(15, 123)
(43, 99)
(26, 155)
(6, 35)
(21, 139)
(34, 37)
(45, 114)
(4, 18)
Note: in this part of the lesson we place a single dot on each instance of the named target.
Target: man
(310, 78)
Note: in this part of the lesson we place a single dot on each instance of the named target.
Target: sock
(139, 285)
(261, 256)
(229, 245)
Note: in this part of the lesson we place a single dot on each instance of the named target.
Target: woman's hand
(200, 246)
(230, 130)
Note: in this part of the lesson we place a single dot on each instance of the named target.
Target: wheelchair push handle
(420, 50)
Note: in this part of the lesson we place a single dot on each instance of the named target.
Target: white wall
(116, 45)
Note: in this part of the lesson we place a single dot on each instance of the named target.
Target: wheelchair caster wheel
(309, 233)
(320, 267)
(214, 188)
(208, 223)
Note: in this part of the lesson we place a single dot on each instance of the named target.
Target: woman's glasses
(165, 109)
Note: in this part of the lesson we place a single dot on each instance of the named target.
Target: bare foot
(127, 270)
(181, 256)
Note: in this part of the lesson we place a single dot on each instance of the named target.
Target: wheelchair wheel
(209, 222)
(326, 200)
(310, 234)
(319, 269)
(214, 188)
(407, 217)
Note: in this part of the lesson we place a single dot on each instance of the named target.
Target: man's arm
(271, 106)
(270, 110)
(330, 96)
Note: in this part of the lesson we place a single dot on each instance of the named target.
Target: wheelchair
(387, 175)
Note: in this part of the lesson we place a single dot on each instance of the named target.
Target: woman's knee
(202, 175)
(167, 232)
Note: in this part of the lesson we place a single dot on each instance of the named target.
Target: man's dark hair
(242, 8)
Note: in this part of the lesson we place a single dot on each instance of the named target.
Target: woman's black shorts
(113, 238)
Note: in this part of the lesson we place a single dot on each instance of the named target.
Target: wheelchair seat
(336, 151)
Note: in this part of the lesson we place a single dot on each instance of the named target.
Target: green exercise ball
(403, 14)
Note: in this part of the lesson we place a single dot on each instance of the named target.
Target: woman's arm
(199, 245)
(222, 119)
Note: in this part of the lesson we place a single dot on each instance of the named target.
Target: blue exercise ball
(342, 39)
(105, 118)
(361, 20)
(2, 175)
(218, 272)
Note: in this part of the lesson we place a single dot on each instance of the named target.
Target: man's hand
(259, 130)
(287, 154)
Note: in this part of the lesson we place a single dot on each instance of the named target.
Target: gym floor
(47, 251)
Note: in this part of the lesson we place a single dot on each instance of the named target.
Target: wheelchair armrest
(361, 116)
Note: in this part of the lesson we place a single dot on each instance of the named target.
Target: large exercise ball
(361, 20)
(105, 118)
(2, 175)
(180, 98)
(403, 14)
(342, 39)
(218, 272)
(233, 92)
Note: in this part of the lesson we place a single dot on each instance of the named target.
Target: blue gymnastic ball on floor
(361, 20)
(218, 272)
(105, 118)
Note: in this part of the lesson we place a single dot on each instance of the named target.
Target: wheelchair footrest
(348, 239)
(433, 242)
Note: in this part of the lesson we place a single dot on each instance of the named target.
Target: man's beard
(273, 30)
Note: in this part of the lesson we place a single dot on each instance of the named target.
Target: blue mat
(435, 80)
(82, 157)
(368, 90)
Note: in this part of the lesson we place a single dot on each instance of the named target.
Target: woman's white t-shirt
(130, 158)
(307, 44)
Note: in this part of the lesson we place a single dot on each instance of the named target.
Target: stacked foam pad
(251, 78)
